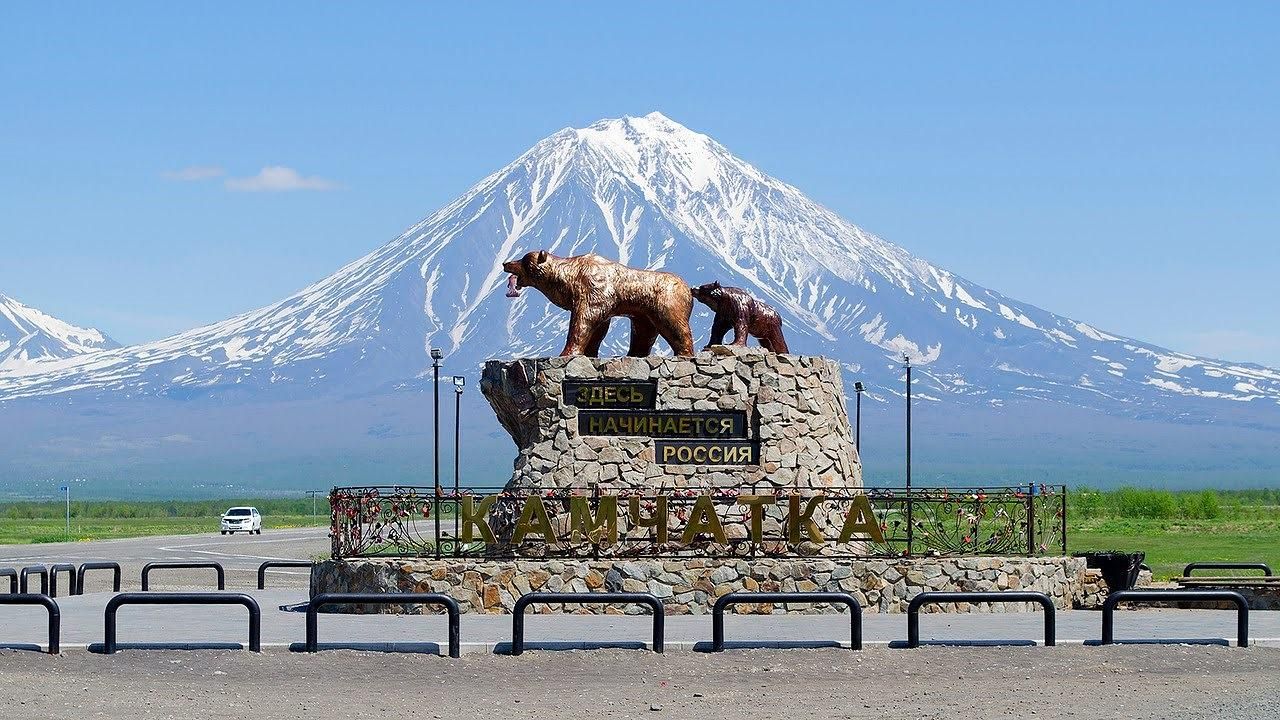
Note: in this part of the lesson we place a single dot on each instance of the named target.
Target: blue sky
(1120, 165)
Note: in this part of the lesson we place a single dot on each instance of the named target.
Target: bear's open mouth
(513, 288)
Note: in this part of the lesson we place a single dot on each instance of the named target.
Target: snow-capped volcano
(28, 336)
(651, 193)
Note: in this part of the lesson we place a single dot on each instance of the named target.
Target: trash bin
(1119, 569)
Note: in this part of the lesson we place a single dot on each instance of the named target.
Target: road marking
(242, 556)
(149, 548)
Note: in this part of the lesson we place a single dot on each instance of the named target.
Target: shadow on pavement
(706, 646)
(902, 644)
(504, 648)
(428, 648)
(98, 647)
(22, 646)
(1163, 641)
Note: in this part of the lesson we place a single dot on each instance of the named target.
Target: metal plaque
(611, 394)
(712, 425)
(706, 452)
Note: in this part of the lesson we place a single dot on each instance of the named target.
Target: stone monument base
(690, 586)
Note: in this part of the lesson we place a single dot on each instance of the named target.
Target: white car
(241, 519)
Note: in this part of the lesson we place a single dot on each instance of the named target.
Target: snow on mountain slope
(652, 193)
(29, 337)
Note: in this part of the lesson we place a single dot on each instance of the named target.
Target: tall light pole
(458, 383)
(436, 355)
(67, 489)
(313, 494)
(906, 360)
(911, 520)
(857, 423)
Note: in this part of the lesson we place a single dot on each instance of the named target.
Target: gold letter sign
(605, 523)
(474, 517)
(862, 520)
(601, 519)
(703, 520)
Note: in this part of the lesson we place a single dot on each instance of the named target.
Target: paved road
(239, 554)
(82, 626)
(1070, 681)
(1132, 681)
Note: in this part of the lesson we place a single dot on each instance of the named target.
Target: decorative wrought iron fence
(839, 522)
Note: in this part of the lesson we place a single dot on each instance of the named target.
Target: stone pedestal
(760, 442)
(792, 407)
(691, 586)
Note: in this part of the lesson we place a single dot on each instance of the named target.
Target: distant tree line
(1149, 504)
(1082, 503)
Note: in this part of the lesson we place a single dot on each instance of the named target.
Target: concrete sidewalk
(82, 626)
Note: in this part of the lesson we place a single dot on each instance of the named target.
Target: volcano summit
(30, 336)
(650, 193)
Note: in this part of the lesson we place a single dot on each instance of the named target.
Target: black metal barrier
(739, 598)
(1191, 567)
(70, 570)
(262, 569)
(40, 570)
(1242, 607)
(13, 579)
(449, 604)
(55, 616)
(187, 565)
(114, 567)
(178, 598)
(935, 598)
(524, 601)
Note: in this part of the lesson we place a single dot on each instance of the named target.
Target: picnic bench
(1262, 591)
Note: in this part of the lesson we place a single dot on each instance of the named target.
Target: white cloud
(277, 178)
(194, 173)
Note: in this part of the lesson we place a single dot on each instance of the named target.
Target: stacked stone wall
(795, 407)
(691, 585)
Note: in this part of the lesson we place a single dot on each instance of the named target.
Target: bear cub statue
(735, 308)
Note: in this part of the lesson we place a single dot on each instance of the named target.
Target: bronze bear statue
(737, 309)
(595, 290)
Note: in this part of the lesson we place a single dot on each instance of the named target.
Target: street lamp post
(458, 383)
(858, 387)
(906, 360)
(313, 494)
(436, 355)
(67, 489)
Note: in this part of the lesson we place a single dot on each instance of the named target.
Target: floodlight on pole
(858, 388)
(436, 356)
(458, 383)
(906, 361)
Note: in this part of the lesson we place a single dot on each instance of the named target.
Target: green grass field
(1172, 528)
(1170, 545)
(1175, 528)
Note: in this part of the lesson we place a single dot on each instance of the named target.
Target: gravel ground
(1134, 681)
